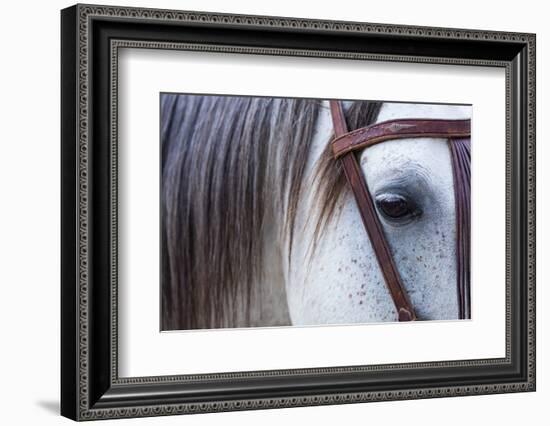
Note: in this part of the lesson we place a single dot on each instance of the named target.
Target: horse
(259, 227)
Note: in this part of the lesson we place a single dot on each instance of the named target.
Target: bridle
(457, 133)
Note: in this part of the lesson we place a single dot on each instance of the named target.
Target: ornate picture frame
(91, 37)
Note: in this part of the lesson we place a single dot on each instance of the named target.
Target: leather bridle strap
(460, 159)
(399, 129)
(371, 221)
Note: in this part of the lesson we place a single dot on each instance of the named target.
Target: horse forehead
(429, 156)
(391, 111)
(426, 158)
(433, 153)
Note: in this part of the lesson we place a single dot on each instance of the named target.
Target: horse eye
(395, 206)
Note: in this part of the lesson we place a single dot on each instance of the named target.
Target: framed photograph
(263, 212)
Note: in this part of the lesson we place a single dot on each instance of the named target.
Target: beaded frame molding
(91, 37)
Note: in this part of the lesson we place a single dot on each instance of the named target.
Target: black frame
(90, 38)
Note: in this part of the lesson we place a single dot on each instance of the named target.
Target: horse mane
(228, 162)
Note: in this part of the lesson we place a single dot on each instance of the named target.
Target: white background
(143, 351)
(29, 229)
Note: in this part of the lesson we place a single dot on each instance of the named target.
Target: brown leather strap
(371, 221)
(460, 158)
(398, 129)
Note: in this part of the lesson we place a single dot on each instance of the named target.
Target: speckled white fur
(343, 283)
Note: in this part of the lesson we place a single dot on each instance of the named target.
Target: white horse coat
(343, 283)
